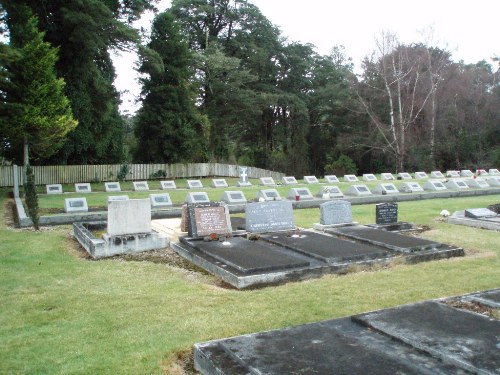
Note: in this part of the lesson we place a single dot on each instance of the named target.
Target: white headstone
(466, 173)
(197, 197)
(219, 182)
(289, 180)
(166, 185)
(369, 177)
(299, 194)
(421, 175)
(455, 184)
(433, 185)
(235, 196)
(410, 187)
(335, 212)
(358, 190)
(331, 179)
(114, 198)
(452, 174)
(482, 172)
(160, 200)
(140, 185)
(112, 186)
(244, 177)
(269, 195)
(493, 181)
(387, 176)
(350, 178)
(267, 181)
(437, 174)
(54, 189)
(330, 192)
(83, 188)
(477, 182)
(311, 180)
(494, 172)
(75, 205)
(385, 188)
(404, 176)
(129, 217)
(194, 184)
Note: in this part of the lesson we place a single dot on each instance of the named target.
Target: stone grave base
(113, 245)
(323, 227)
(279, 257)
(491, 223)
(436, 336)
(400, 226)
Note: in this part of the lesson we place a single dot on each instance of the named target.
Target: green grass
(63, 314)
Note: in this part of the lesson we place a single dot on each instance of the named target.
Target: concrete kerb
(239, 208)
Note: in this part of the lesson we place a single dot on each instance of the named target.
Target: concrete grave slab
(197, 197)
(466, 340)
(269, 216)
(404, 176)
(129, 217)
(477, 182)
(194, 184)
(437, 174)
(491, 223)
(456, 184)
(114, 198)
(235, 196)
(387, 176)
(452, 173)
(411, 187)
(219, 182)
(350, 178)
(54, 189)
(369, 177)
(75, 205)
(112, 187)
(393, 241)
(331, 179)
(83, 188)
(311, 180)
(357, 190)
(466, 173)
(269, 195)
(299, 194)
(267, 181)
(167, 185)
(289, 180)
(330, 192)
(421, 175)
(140, 185)
(385, 189)
(326, 248)
(160, 200)
(434, 185)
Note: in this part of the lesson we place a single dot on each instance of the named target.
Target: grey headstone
(219, 182)
(335, 212)
(243, 177)
(477, 182)
(387, 176)
(235, 196)
(386, 213)
(267, 181)
(328, 192)
(197, 197)
(301, 193)
(129, 217)
(452, 173)
(332, 179)
(83, 188)
(477, 213)
(369, 177)
(311, 180)
(269, 195)
(289, 180)
(269, 216)
(405, 176)
(350, 178)
(140, 185)
(437, 174)
(194, 184)
(421, 175)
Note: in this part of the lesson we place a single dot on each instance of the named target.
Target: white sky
(467, 29)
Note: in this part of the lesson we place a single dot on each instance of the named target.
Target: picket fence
(69, 174)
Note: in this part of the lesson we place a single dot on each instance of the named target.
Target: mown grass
(64, 314)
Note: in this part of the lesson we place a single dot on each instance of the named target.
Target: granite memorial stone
(335, 212)
(160, 200)
(208, 218)
(386, 213)
(197, 197)
(273, 216)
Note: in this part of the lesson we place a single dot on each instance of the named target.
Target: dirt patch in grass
(9, 213)
(180, 363)
(475, 307)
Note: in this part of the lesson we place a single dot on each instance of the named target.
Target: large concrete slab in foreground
(423, 338)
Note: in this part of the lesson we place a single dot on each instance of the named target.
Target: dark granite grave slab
(462, 338)
(248, 256)
(326, 248)
(422, 338)
(394, 241)
(489, 298)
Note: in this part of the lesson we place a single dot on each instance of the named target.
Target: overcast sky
(467, 29)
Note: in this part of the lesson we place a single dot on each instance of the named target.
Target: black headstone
(386, 213)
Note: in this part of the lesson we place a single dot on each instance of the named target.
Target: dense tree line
(220, 83)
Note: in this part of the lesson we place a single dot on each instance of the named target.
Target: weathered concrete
(459, 218)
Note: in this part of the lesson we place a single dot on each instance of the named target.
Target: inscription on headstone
(331, 179)
(335, 212)
(269, 194)
(164, 185)
(269, 216)
(369, 177)
(206, 219)
(193, 184)
(386, 213)
(54, 189)
(233, 197)
(311, 180)
(267, 181)
(160, 200)
(112, 186)
(387, 176)
(83, 188)
(140, 185)
(197, 197)
(75, 205)
(289, 180)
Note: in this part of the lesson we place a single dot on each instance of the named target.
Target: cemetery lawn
(62, 313)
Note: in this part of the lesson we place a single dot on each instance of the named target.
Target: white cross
(243, 174)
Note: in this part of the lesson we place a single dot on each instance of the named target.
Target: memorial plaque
(114, 198)
(350, 178)
(328, 192)
(494, 172)
(411, 187)
(385, 188)
(299, 194)
(197, 197)
(289, 180)
(478, 213)
(331, 179)
(421, 175)
(140, 185)
(164, 185)
(404, 176)
(387, 176)
(267, 181)
(456, 184)
(206, 219)
(358, 190)
(335, 212)
(477, 182)
(83, 188)
(193, 184)
(269, 216)
(466, 173)
(75, 205)
(54, 189)
(434, 185)
(269, 194)
(369, 177)
(112, 186)
(236, 196)
(311, 180)
(437, 174)
(160, 200)
(386, 213)
(493, 181)
(453, 173)
(233, 197)
(219, 182)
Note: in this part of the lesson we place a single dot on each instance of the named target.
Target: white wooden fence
(68, 174)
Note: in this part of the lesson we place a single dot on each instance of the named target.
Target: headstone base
(242, 184)
(400, 226)
(322, 227)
